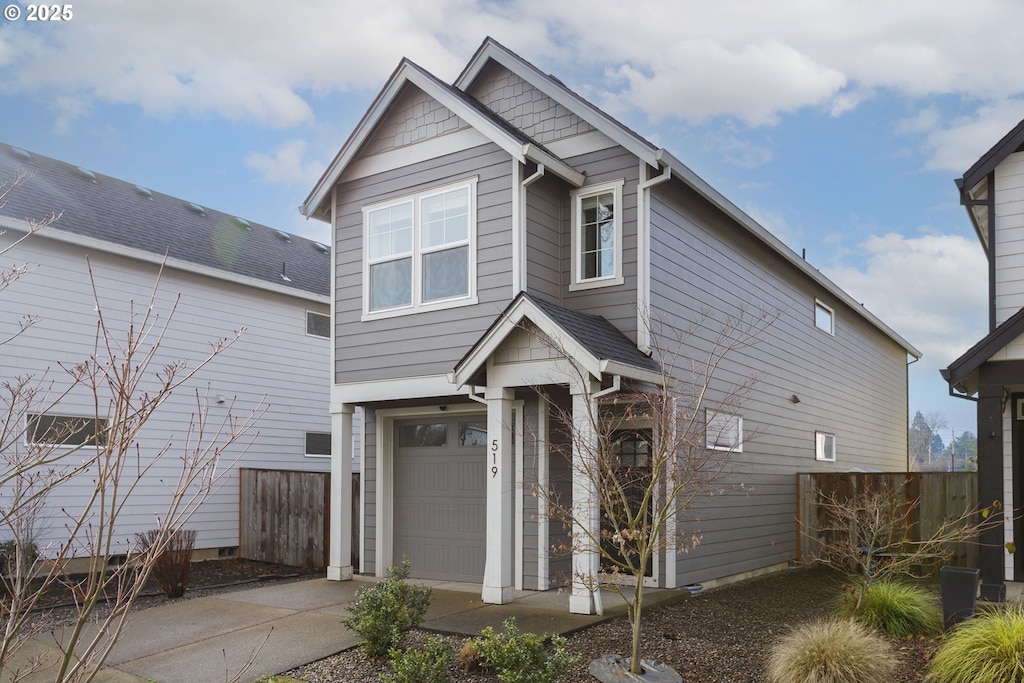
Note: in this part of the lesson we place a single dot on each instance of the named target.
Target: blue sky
(838, 125)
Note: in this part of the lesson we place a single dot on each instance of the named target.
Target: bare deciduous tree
(650, 454)
(126, 381)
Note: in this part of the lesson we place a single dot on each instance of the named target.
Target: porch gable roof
(962, 373)
(589, 340)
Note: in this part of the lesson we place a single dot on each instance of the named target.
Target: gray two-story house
(471, 221)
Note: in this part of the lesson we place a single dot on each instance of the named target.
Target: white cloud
(956, 144)
(931, 289)
(288, 164)
(259, 61)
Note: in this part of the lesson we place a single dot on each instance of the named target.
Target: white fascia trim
(559, 93)
(95, 244)
(576, 145)
(523, 309)
(719, 201)
(442, 145)
(612, 367)
(426, 386)
(557, 166)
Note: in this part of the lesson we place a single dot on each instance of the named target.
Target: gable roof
(976, 196)
(512, 140)
(104, 213)
(590, 340)
(961, 373)
(457, 99)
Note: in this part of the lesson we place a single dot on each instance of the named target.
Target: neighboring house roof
(974, 191)
(522, 147)
(108, 214)
(961, 373)
(588, 339)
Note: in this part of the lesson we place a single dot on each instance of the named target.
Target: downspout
(519, 259)
(643, 249)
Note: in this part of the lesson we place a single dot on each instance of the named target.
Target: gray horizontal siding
(274, 365)
(547, 237)
(852, 384)
(380, 349)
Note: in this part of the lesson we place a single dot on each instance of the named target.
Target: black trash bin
(959, 593)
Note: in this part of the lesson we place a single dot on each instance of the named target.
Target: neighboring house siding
(1009, 197)
(274, 363)
(380, 349)
(524, 106)
(414, 117)
(852, 384)
(616, 303)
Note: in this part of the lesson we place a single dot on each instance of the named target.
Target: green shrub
(830, 651)
(988, 647)
(893, 607)
(522, 657)
(384, 613)
(426, 665)
(9, 553)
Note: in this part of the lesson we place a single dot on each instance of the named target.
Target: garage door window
(423, 435)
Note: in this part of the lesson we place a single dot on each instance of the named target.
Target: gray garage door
(440, 497)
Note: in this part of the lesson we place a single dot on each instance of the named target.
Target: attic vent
(284, 236)
(18, 151)
(144, 191)
(242, 223)
(322, 248)
(198, 209)
(284, 273)
(86, 173)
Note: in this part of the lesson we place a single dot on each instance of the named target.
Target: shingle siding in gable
(380, 349)
(852, 384)
(526, 107)
(414, 117)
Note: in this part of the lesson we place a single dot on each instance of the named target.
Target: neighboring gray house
(229, 272)
(992, 371)
(464, 214)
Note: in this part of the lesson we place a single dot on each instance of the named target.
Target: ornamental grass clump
(987, 647)
(830, 651)
(894, 607)
(384, 613)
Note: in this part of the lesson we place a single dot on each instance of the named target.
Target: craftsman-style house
(472, 220)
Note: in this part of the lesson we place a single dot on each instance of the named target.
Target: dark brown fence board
(940, 495)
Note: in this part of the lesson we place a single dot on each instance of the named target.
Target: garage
(440, 497)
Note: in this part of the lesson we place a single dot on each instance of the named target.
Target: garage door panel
(441, 507)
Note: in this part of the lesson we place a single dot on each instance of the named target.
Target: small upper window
(597, 236)
(65, 430)
(318, 444)
(825, 446)
(824, 318)
(724, 432)
(420, 251)
(318, 324)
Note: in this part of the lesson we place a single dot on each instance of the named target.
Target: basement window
(64, 430)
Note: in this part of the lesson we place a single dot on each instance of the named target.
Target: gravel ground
(720, 636)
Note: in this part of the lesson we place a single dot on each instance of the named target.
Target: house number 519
(494, 458)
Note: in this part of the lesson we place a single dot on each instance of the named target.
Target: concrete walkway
(281, 626)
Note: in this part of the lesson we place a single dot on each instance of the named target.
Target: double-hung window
(420, 251)
(597, 236)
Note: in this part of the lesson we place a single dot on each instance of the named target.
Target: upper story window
(318, 324)
(597, 236)
(824, 318)
(825, 446)
(420, 251)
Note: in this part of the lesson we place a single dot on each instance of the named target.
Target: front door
(630, 472)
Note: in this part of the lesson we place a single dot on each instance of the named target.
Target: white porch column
(585, 503)
(340, 567)
(498, 583)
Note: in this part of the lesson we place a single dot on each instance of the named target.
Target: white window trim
(819, 446)
(831, 316)
(305, 436)
(416, 254)
(577, 197)
(306, 320)
(709, 417)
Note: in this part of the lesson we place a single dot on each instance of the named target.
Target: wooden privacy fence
(940, 496)
(284, 517)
